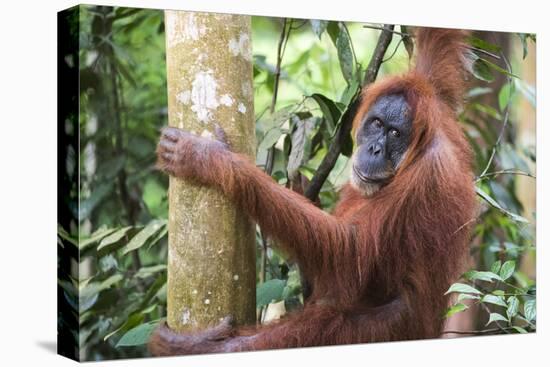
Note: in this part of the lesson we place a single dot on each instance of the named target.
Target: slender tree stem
(280, 51)
(474, 332)
(377, 59)
(484, 52)
(488, 310)
(383, 28)
(505, 120)
(504, 172)
(283, 39)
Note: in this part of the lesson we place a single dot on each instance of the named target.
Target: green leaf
(519, 329)
(498, 292)
(486, 276)
(333, 30)
(482, 71)
(149, 309)
(61, 232)
(483, 45)
(493, 203)
(496, 300)
(154, 195)
(125, 12)
(148, 271)
(459, 307)
(462, 288)
(113, 237)
(301, 144)
(87, 206)
(318, 26)
(107, 263)
(345, 53)
(504, 96)
(522, 279)
(478, 91)
(463, 296)
(507, 269)
(350, 93)
(269, 291)
(95, 237)
(488, 110)
(496, 317)
(154, 240)
(307, 172)
(275, 120)
(125, 72)
(530, 309)
(523, 38)
(293, 285)
(495, 268)
(270, 138)
(137, 336)
(261, 64)
(499, 69)
(348, 99)
(133, 320)
(141, 238)
(95, 287)
(330, 110)
(513, 306)
(337, 176)
(157, 289)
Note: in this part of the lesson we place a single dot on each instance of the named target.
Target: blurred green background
(120, 225)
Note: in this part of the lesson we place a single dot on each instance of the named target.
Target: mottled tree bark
(211, 260)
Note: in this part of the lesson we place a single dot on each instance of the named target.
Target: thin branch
(480, 50)
(512, 286)
(517, 294)
(504, 172)
(284, 35)
(280, 52)
(344, 130)
(304, 22)
(473, 332)
(384, 41)
(383, 29)
(506, 116)
(394, 51)
(281, 47)
(464, 225)
(488, 310)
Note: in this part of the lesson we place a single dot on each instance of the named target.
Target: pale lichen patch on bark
(226, 100)
(241, 108)
(181, 29)
(203, 95)
(241, 46)
(184, 97)
(185, 316)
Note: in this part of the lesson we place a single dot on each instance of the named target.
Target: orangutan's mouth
(370, 180)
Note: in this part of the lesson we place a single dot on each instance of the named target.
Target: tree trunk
(211, 257)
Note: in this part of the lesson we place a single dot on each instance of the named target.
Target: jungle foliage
(307, 74)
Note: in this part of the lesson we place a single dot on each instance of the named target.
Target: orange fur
(380, 265)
